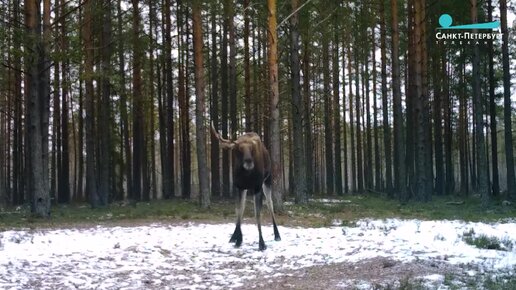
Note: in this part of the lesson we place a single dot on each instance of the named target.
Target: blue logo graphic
(446, 23)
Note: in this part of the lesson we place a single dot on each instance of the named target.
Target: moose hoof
(277, 238)
(262, 247)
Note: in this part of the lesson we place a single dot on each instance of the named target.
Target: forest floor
(356, 242)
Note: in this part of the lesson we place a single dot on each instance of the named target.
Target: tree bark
(299, 163)
(483, 182)
(399, 156)
(138, 110)
(275, 135)
(385, 104)
(336, 110)
(507, 112)
(492, 112)
(200, 108)
(38, 189)
(214, 107)
(328, 128)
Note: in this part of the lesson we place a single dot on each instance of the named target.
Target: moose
(251, 176)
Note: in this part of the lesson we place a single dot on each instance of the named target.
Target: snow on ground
(197, 256)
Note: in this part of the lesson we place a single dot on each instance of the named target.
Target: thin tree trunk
(483, 176)
(449, 178)
(298, 185)
(399, 156)
(184, 103)
(336, 111)
(507, 112)
(328, 128)
(438, 130)
(377, 164)
(492, 111)
(169, 176)
(91, 182)
(275, 135)
(352, 131)
(359, 144)
(226, 188)
(344, 126)
(64, 180)
(138, 110)
(18, 148)
(307, 118)
(38, 189)
(214, 107)
(462, 138)
(104, 131)
(247, 70)
(385, 104)
(200, 108)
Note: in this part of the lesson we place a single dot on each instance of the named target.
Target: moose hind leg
(240, 207)
(258, 199)
(267, 191)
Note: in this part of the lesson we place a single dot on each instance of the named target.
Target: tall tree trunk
(169, 176)
(336, 110)
(104, 132)
(344, 126)
(200, 109)
(462, 138)
(422, 188)
(399, 156)
(377, 164)
(247, 70)
(307, 117)
(64, 180)
(449, 179)
(232, 78)
(18, 146)
(275, 135)
(438, 130)
(352, 131)
(153, 32)
(328, 128)
(507, 112)
(492, 111)
(91, 182)
(483, 176)
(38, 189)
(359, 144)
(226, 187)
(55, 160)
(385, 104)
(368, 156)
(184, 101)
(138, 111)
(299, 167)
(214, 106)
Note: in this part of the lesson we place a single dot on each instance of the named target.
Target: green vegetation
(316, 213)
(486, 242)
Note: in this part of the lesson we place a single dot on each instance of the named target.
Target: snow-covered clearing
(190, 255)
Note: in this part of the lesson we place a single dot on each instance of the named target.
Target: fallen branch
(455, 202)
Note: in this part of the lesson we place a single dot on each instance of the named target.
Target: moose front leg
(258, 199)
(268, 199)
(240, 208)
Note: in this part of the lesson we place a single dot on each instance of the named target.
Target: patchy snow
(197, 256)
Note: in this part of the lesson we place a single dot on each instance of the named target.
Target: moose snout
(248, 164)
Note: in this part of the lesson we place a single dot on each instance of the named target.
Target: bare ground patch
(374, 273)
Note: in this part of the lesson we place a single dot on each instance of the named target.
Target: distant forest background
(103, 101)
